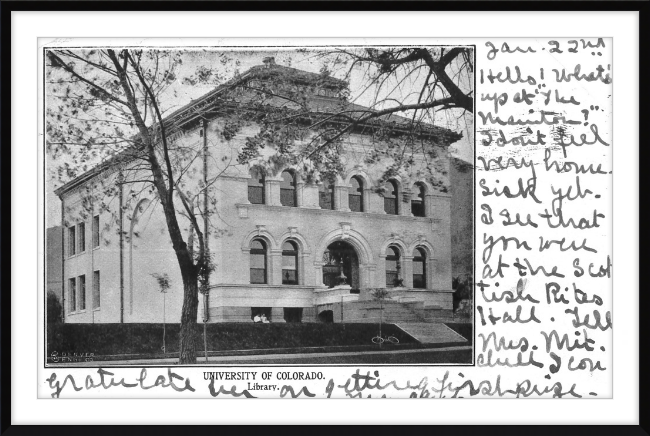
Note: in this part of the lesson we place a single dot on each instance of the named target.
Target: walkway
(321, 358)
(431, 333)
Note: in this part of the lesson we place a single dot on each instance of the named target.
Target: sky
(228, 63)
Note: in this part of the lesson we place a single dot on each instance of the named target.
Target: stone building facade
(288, 246)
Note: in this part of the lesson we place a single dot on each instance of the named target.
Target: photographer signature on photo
(64, 357)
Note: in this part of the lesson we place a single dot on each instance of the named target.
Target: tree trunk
(187, 337)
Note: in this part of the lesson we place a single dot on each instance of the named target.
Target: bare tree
(403, 91)
(106, 106)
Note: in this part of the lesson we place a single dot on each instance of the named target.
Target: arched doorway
(340, 265)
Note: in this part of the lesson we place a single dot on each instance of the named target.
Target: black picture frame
(7, 7)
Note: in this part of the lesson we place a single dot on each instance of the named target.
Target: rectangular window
(258, 268)
(390, 206)
(82, 237)
(96, 231)
(256, 194)
(72, 294)
(260, 313)
(355, 203)
(72, 241)
(417, 208)
(293, 314)
(326, 197)
(391, 279)
(96, 290)
(289, 270)
(82, 292)
(287, 197)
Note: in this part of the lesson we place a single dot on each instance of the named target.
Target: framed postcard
(221, 204)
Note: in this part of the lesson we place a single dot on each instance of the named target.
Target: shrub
(116, 339)
(54, 308)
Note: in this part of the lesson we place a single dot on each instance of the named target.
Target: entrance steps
(431, 333)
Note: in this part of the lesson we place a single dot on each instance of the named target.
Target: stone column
(300, 191)
(308, 192)
(274, 274)
(407, 271)
(368, 276)
(429, 205)
(318, 275)
(366, 198)
(309, 314)
(341, 198)
(272, 192)
(277, 314)
(380, 275)
(405, 203)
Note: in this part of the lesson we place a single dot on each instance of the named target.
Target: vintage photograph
(259, 205)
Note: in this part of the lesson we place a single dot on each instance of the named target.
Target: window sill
(246, 207)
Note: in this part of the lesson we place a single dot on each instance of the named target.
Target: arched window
(391, 198)
(288, 189)
(392, 267)
(417, 202)
(419, 269)
(356, 194)
(256, 186)
(258, 261)
(289, 263)
(326, 195)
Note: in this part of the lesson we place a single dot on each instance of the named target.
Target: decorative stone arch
(294, 235)
(428, 189)
(350, 236)
(338, 190)
(423, 243)
(394, 240)
(413, 191)
(295, 170)
(401, 182)
(347, 184)
(359, 173)
(248, 178)
(338, 181)
(304, 252)
(271, 248)
(404, 258)
(260, 167)
(262, 233)
(359, 243)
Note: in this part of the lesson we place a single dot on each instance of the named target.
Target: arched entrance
(340, 265)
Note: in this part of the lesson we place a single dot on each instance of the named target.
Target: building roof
(318, 104)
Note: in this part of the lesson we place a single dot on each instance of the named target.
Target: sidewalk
(426, 355)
